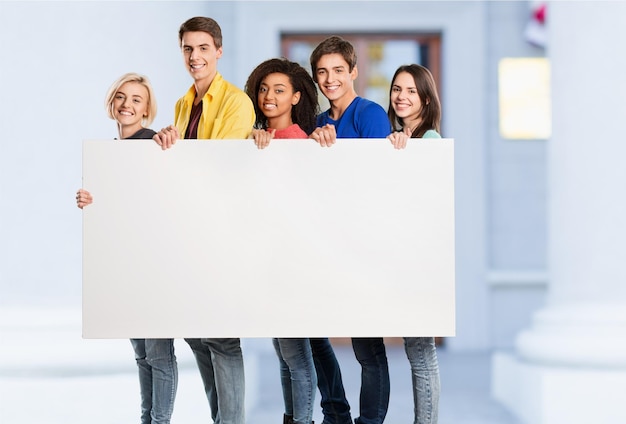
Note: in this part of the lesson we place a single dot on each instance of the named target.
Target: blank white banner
(214, 238)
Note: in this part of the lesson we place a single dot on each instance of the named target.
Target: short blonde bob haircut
(139, 79)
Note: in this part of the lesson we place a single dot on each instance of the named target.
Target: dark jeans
(374, 397)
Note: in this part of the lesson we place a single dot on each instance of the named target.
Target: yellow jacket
(227, 112)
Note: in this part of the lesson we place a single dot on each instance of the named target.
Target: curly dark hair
(305, 112)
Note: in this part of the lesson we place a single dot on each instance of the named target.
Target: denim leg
(229, 379)
(285, 379)
(422, 355)
(145, 379)
(158, 378)
(205, 366)
(375, 386)
(335, 406)
(296, 353)
(160, 356)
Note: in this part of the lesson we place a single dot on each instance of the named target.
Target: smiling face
(200, 56)
(405, 100)
(129, 107)
(276, 98)
(335, 80)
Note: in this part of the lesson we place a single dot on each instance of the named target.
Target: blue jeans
(158, 378)
(298, 378)
(335, 406)
(221, 367)
(422, 355)
(375, 386)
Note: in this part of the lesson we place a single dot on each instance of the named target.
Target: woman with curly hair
(285, 101)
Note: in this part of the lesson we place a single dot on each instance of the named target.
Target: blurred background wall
(59, 58)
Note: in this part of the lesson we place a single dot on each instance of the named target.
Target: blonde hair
(140, 79)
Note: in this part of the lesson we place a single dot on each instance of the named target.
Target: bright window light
(524, 96)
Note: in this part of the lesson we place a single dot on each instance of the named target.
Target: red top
(292, 131)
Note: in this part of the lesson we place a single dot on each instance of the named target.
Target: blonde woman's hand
(83, 198)
(262, 137)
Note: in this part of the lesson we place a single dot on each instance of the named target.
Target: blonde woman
(131, 104)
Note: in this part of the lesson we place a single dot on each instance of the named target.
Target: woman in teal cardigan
(415, 112)
(414, 107)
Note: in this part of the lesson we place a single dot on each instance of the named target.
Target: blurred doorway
(378, 57)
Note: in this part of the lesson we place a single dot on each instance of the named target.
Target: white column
(570, 365)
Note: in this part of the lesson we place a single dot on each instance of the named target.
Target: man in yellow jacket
(213, 108)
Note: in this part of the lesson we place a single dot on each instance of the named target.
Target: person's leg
(161, 358)
(296, 353)
(285, 381)
(375, 386)
(145, 379)
(422, 355)
(205, 366)
(335, 406)
(229, 379)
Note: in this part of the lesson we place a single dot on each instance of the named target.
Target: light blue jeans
(298, 378)
(158, 378)
(422, 355)
(221, 367)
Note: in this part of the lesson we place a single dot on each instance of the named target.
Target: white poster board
(215, 238)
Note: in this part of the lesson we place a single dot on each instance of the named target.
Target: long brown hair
(430, 113)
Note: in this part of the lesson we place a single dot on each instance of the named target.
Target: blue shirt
(362, 119)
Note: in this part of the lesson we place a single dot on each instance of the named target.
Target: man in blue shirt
(333, 65)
